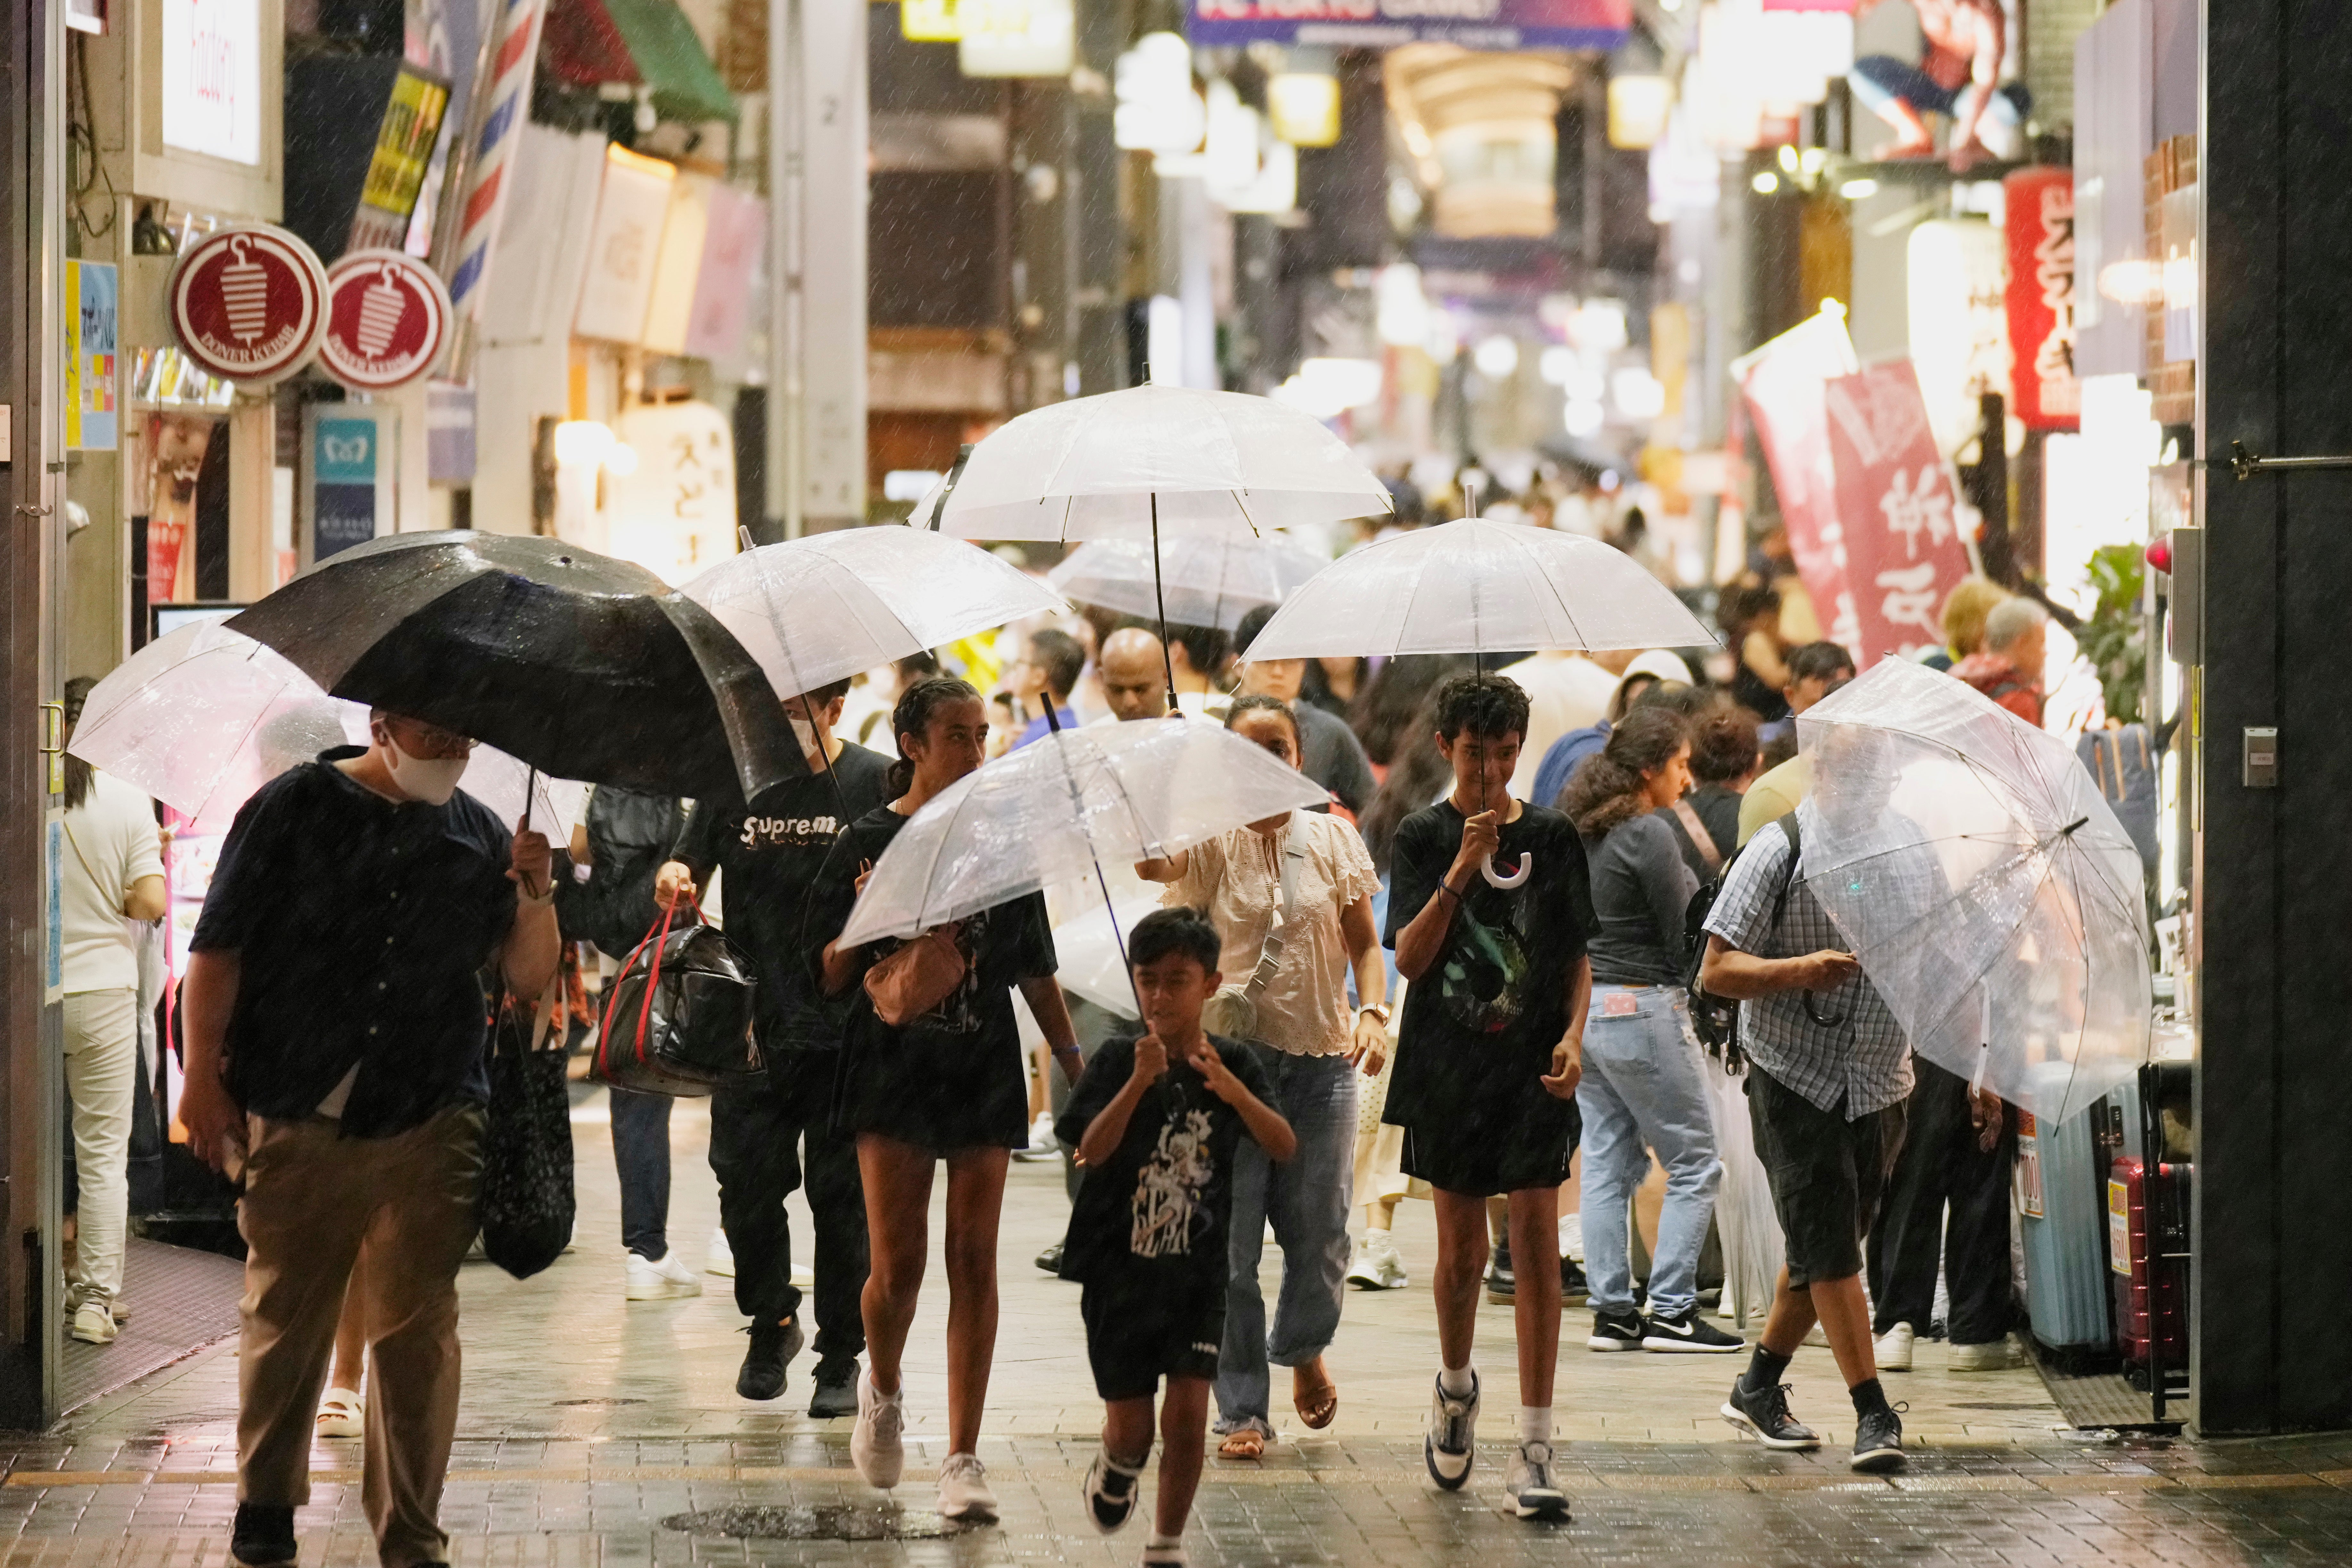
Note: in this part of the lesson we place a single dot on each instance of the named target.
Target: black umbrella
(584, 666)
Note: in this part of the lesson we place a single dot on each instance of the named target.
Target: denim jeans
(641, 1157)
(1881, 79)
(1643, 1090)
(1308, 1201)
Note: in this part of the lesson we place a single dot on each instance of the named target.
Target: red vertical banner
(2041, 207)
(1901, 522)
(1781, 384)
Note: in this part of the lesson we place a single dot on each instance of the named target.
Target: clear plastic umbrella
(1154, 460)
(1479, 587)
(202, 717)
(1053, 811)
(1211, 582)
(1984, 884)
(815, 610)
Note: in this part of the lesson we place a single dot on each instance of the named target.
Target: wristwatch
(1379, 1010)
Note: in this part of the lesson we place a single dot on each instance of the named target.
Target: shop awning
(648, 42)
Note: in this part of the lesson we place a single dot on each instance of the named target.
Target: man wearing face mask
(335, 1018)
(770, 849)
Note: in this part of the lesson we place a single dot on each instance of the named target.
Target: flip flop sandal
(1247, 1443)
(1324, 1395)
(342, 1413)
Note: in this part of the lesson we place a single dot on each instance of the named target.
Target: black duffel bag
(678, 1018)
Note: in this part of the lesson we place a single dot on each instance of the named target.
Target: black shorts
(1139, 1332)
(1527, 1144)
(1826, 1173)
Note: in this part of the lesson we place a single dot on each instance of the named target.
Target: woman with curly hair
(1642, 1087)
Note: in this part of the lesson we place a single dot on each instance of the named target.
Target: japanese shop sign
(1384, 23)
(675, 513)
(90, 322)
(212, 77)
(403, 151)
(2041, 210)
(1900, 516)
(348, 473)
(1781, 386)
(248, 304)
(387, 319)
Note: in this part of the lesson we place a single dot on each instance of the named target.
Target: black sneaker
(836, 1388)
(1763, 1415)
(1502, 1284)
(1690, 1334)
(1109, 1490)
(1616, 1332)
(263, 1535)
(773, 1345)
(1050, 1260)
(1574, 1289)
(1878, 1443)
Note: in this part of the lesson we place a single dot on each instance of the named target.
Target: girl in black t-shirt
(946, 1086)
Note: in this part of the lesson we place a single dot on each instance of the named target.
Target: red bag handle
(659, 936)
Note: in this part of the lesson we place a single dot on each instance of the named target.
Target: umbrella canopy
(1049, 812)
(1984, 884)
(203, 717)
(1208, 581)
(1121, 465)
(581, 666)
(1479, 587)
(817, 609)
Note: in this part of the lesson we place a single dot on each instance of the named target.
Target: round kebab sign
(249, 304)
(387, 319)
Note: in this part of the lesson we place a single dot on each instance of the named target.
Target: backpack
(1716, 1019)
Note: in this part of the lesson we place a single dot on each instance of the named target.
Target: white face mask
(803, 731)
(432, 780)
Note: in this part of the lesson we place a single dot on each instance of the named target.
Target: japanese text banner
(1901, 528)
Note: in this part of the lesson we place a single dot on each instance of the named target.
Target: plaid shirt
(1865, 1060)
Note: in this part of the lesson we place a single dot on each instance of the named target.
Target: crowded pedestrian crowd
(1468, 979)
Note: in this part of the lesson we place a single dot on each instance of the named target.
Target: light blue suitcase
(2065, 1242)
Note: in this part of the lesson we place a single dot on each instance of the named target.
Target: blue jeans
(1643, 1090)
(1308, 1201)
(641, 1156)
(1881, 79)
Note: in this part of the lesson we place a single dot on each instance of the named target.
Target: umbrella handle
(1498, 879)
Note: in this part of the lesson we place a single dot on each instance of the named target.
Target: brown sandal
(1314, 1394)
(1244, 1443)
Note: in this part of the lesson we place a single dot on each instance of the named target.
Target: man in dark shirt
(1328, 751)
(335, 1023)
(1724, 761)
(771, 851)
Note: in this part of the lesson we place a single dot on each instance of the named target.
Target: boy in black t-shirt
(1489, 906)
(1156, 1122)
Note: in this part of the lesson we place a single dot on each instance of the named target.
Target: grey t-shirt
(1641, 890)
(1331, 755)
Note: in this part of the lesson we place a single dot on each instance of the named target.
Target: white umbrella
(1206, 582)
(815, 610)
(1053, 811)
(1984, 884)
(1154, 460)
(204, 716)
(1479, 587)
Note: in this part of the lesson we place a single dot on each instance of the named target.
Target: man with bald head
(1134, 675)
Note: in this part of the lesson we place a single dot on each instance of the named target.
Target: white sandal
(342, 1413)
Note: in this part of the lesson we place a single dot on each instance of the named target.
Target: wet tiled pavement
(589, 1422)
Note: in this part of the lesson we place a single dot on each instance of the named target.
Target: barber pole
(502, 103)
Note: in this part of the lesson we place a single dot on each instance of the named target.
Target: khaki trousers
(315, 1201)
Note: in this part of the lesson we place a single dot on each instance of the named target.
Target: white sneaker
(1529, 1485)
(1999, 1355)
(720, 1259)
(1376, 1266)
(1042, 1145)
(93, 1324)
(963, 1490)
(1893, 1349)
(1171, 1556)
(665, 1281)
(1452, 1443)
(1572, 1237)
(876, 1445)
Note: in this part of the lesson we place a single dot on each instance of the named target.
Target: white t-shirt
(1564, 691)
(110, 843)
